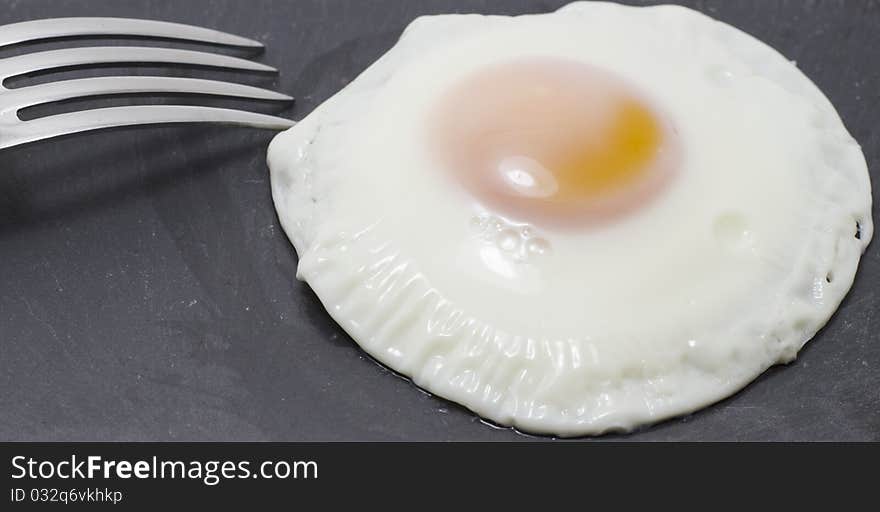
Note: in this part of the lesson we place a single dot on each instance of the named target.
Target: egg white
(731, 270)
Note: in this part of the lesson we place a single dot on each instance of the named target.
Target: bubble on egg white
(518, 242)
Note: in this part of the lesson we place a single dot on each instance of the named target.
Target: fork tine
(69, 89)
(112, 117)
(76, 27)
(71, 57)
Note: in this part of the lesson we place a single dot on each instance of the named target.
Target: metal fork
(14, 131)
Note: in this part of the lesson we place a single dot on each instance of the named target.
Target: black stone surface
(147, 291)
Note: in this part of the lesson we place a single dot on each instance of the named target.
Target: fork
(14, 131)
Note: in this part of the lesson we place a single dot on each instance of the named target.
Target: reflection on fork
(14, 131)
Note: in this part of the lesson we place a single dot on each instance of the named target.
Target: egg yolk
(549, 140)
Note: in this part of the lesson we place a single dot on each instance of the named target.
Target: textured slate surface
(147, 292)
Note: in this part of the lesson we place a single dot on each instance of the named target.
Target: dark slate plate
(147, 291)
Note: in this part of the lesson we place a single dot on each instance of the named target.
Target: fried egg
(576, 222)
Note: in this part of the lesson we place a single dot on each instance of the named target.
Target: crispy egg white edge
(329, 266)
